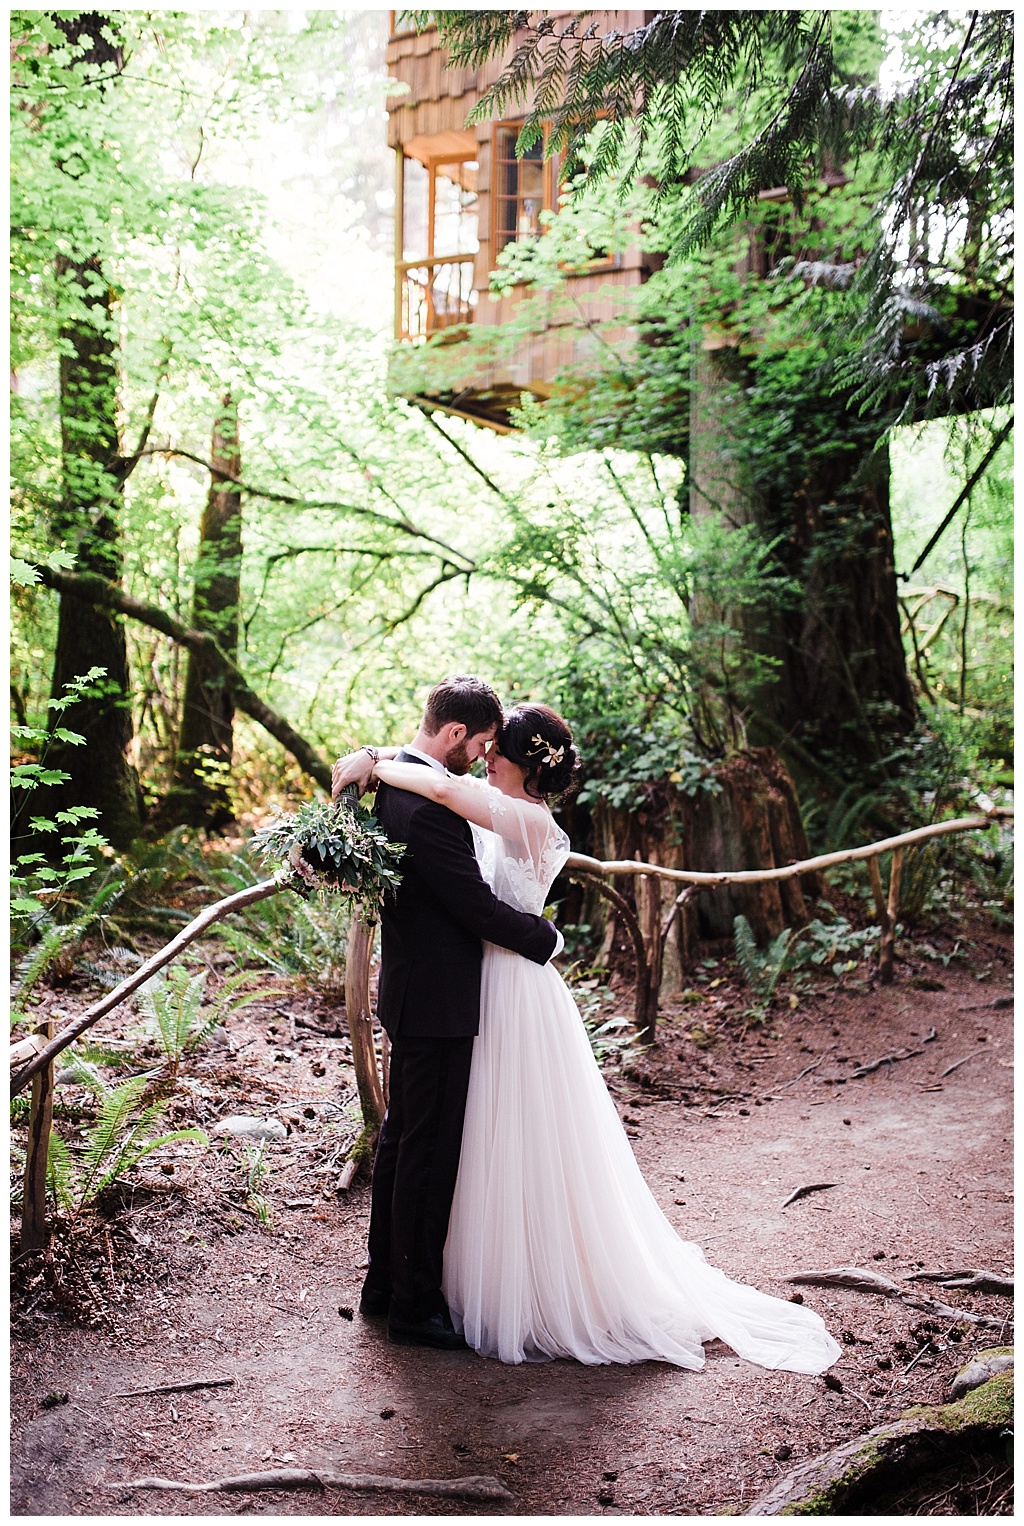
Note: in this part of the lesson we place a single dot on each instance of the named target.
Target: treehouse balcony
(462, 196)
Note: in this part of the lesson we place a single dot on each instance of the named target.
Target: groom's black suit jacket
(432, 928)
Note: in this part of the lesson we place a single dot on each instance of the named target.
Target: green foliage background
(234, 181)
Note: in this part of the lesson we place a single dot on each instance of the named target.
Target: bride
(556, 1246)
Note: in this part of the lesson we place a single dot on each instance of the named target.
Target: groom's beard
(457, 759)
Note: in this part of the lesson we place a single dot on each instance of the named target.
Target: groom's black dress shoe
(374, 1302)
(437, 1331)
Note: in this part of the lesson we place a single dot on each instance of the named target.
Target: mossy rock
(862, 1472)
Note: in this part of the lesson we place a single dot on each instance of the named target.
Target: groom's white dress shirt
(425, 757)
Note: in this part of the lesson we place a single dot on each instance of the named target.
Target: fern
(59, 940)
(115, 1144)
(307, 940)
(176, 1018)
(762, 970)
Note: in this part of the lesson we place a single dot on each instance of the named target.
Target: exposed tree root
(970, 1278)
(862, 1280)
(925, 1439)
(475, 1488)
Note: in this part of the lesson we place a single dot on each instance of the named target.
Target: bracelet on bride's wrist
(374, 754)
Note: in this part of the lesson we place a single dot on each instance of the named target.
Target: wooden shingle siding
(438, 101)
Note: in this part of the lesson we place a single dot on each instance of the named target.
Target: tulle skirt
(556, 1246)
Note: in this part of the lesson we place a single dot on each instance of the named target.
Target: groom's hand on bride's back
(353, 768)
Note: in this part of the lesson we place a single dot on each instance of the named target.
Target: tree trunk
(822, 676)
(102, 775)
(199, 794)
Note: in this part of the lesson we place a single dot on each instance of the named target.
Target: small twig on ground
(321, 1033)
(174, 1388)
(476, 1488)
(348, 1174)
(957, 1064)
(806, 1070)
(886, 1059)
(924, 1351)
(806, 1190)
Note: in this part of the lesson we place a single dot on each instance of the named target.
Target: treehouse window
(524, 188)
(521, 188)
(439, 241)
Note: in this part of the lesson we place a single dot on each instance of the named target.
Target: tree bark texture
(88, 521)
(359, 1012)
(751, 822)
(199, 795)
(824, 670)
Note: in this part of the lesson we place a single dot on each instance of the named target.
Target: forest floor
(183, 1282)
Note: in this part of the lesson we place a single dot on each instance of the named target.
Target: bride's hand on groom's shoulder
(353, 768)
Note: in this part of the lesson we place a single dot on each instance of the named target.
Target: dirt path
(922, 1167)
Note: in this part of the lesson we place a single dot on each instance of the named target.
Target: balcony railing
(433, 295)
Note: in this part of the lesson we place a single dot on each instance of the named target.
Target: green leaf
(23, 573)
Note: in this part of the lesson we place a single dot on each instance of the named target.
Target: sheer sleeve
(529, 835)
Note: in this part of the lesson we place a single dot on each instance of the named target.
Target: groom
(432, 931)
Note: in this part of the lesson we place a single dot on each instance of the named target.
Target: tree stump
(752, 822)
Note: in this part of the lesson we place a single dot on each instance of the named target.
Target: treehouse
(462, 196)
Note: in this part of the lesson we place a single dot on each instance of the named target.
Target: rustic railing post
(360, 1024)
(887, 911)
(888, 954)
(654, 947)
(33, 1212)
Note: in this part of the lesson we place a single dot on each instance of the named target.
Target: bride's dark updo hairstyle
(539, 741)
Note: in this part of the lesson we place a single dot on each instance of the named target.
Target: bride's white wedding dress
(556, 1246)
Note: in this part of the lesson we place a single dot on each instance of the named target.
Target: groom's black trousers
(414, 1172)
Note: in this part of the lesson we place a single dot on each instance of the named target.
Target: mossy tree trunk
(199, 794)
(87, 521)
(821, 672)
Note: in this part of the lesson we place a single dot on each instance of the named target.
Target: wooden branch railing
(33, 1057)
(649, 949)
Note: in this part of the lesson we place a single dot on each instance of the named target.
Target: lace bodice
(520, 857)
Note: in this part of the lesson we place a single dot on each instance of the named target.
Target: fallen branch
(807, 1190)
(865, 1281)
(476, 1488)
(957, 1063)
(886, 1059)
(198, 925)
(971, 1280)
(347, 1175)
(174, 1388)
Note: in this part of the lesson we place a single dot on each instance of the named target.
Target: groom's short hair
(465, 699)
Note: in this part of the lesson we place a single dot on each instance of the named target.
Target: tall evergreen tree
(87, 516)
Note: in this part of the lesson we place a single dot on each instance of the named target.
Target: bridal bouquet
(332, 846)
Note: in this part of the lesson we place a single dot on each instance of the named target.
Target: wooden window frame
(409, 31)
(550, 193)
